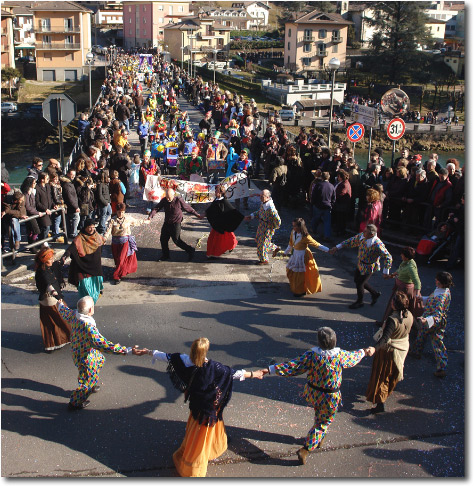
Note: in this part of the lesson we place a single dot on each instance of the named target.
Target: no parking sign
(355, 132)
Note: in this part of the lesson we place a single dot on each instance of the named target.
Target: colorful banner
(195, 192)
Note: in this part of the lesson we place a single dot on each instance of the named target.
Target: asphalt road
(250, 316)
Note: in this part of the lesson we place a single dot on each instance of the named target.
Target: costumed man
(215, 150)
(371, 249)
(173, 206)
(269, 221)
(224, 220)
(324, 365)
(205, 124)
(87, 345)
(149, 116)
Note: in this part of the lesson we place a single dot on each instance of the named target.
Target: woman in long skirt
(224, 220)
(208, 386)
(55, 331)
(302, 269)
(390, 353)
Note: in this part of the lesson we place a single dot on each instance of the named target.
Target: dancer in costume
(433, 322)
(324, 365)
(208, 386)
(269, 221)
(302, 269)
(87, 345)
(390, 353)
(224, 220)
(371, 249)
(85, 270)
(49, 282)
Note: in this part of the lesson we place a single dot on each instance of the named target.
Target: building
(455, 60)
(8, 52)
(437, 29)
(108, 18)
(258, 11)
(63, 38)
(235, 18)
(144, 22)
(306, 97)
(23, 32)
(359, 13)
(197, 35)
(312, 39)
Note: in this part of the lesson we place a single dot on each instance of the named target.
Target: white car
(99, 49)
(287, 115)
(9, 107)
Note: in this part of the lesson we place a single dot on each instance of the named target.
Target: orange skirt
(200, 445)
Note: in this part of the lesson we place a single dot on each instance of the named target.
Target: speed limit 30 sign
(396, 129)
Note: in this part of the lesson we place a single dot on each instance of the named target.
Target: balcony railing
(321, 53)
(57, 46)
(336, 39)
(42, 29)
(307, 38)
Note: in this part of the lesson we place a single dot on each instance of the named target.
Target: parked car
(287, 115)
(199, 63)
(99, 49)
(9, 107)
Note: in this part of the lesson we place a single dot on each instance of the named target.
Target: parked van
(287, 115)
(9, 107)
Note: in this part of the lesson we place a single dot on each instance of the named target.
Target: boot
(380, 407)
(302, 455)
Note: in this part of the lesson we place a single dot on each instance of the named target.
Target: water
(361, 157)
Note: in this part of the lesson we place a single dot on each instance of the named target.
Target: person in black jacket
(71, 201)
(44, 203)
(323, 199)
(103, 201)
(28, 189)
(122, 164)
(122, 114)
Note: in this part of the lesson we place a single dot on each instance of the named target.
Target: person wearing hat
(85, 269)
(323, 364)
(191, 164)
(49, 281)
(216, 150)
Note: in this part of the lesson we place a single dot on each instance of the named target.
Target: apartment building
(7, 45)
(258, 11)
(312, 39)
(63, 38)
(24, 36)
(236, 18)
(198, 35)
(144, 22)
(109, 18)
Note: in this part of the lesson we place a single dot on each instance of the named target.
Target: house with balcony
(258, 11)
(109, 18)
(314, 38)
(198, 36)
(23, 35)
(63, 38)
(236, 18)
(144, 22)
(7, 44)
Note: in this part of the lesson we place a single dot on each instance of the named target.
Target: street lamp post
(334, 64)
(182, 57)
(90, 60)
(215, 60)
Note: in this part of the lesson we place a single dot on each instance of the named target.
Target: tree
(399, 28)
(9, 74)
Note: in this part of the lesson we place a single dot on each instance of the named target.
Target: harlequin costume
(209, 389)
(322, 389)
(436, 313)
(87, 345)
(224, 220)
(370, 252)
(302, 270)
(269, 221)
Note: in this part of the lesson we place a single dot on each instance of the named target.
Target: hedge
(256, 44)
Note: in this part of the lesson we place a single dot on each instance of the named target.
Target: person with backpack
(278, 179)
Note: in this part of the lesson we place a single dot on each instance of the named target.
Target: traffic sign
(396, 129)
(355, 132)
(51, 111)
(364, 114)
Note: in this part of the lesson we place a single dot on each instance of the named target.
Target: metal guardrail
(13, 252)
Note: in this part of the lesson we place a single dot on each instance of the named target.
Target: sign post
(59, 110)
(355, 132)
(395, 131)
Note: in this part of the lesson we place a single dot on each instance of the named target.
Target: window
(46, 39)
(288, 59)
(144, 20)
(289, 32)
(306, 47)
(144, 32)
(180, 8)
(438, 29)
(68, 25)
(334, 48)
(69, 57)
(130, 32)
(308, 33)
(46, 25)
(129, 9)
(160, 20)
(306, 61)
(288, 46)
(69, 39)
(323, 33)
(160, 7)
(130, 20)
(171, 9)
(321, 47)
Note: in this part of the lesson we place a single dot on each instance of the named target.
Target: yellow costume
(301, 269)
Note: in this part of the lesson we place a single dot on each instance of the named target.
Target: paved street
(252, 319)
